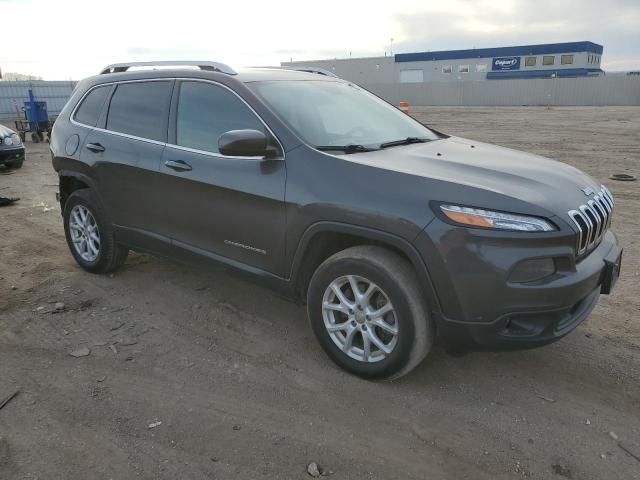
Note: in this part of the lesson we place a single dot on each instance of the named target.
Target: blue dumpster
(36, 119)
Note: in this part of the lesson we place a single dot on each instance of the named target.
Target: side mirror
(243, 143)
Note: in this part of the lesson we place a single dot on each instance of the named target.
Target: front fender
(378, 236)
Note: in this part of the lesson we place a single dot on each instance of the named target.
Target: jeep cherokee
(391, 232)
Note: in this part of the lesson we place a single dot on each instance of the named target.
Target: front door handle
(95, 147)
(178, 165)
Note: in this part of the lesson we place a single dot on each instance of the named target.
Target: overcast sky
(62, 39)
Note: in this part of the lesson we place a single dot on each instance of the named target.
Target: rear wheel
(368, 313)
(90, 236)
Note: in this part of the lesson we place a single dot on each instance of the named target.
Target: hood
(537, 181)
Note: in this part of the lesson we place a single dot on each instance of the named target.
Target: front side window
(530, 61)
(463, 68)
(89, 111)
(328, 113)
(548, 60)
(566, 59)
(206, 111)
(140, 109)
(447, 69)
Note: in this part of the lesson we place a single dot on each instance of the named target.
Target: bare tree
(12, 76)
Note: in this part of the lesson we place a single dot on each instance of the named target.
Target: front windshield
(334, 114)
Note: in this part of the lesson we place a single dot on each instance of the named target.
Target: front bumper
(11, 155)
(481, 309)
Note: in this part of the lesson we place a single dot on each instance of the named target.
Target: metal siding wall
(580, 91)
(55, 94)
(595, 91)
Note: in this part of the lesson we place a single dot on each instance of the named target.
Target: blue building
(551, 60)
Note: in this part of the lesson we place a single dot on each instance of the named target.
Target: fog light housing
(532, 270)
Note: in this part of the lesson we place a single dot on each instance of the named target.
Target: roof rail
(318, 70)
(203, 65)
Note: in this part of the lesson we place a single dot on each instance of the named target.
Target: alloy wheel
(85, 235)
(360, 318)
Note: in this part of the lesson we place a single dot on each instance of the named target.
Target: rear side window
(140, 109)
(89, 111)
(206, 111)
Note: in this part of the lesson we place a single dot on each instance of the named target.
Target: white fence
(14, 94)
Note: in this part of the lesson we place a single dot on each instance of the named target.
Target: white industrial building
(552, 60)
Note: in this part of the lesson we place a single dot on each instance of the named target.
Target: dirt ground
(242, 389)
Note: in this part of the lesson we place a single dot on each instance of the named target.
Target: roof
(251, 74)
(542, 49)
(274, 73)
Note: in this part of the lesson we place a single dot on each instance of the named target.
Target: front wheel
(368, 313)
(89, 234)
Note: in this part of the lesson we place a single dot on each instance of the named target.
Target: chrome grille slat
(602, 214)
(590, 226)
(592, 219)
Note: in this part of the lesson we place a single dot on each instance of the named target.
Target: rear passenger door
(227, 206)
(126, 152)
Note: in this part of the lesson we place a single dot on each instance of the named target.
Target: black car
(393, 234)
(11, 148)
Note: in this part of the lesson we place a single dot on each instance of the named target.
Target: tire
(35, 138)
(109, 254)
(408, 332)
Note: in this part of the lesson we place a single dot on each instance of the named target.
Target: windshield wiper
(404, 141)
(351, 148)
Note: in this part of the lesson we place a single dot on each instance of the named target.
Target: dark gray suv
(391, 232)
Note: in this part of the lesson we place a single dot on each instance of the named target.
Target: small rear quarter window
(89, 111)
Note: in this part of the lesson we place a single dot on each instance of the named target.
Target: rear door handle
(178, 165)
(95, 147)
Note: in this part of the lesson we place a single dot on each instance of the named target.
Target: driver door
(219, 206)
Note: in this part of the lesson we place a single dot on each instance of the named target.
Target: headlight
(7, 141)
(16, 139)
(476, 217)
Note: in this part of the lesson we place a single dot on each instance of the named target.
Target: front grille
(593, 219)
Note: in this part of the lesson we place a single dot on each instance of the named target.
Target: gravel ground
(196, 374)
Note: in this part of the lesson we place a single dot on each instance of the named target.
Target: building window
(566, 59)
(531, 61)
(481, 67)
(548, 60)
(411, 76)
(447, 69)
(463, 68)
